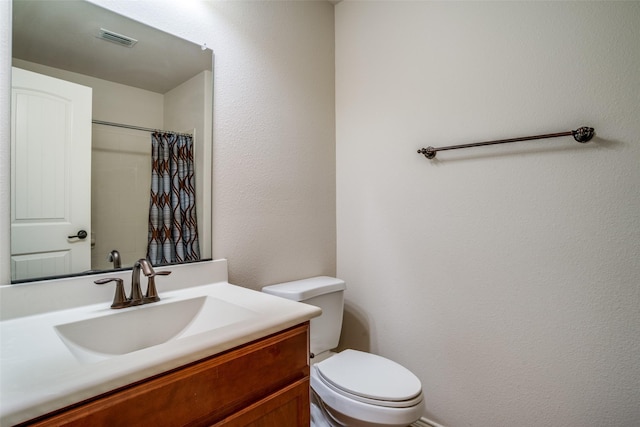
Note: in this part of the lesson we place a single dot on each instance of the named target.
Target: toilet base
(319, 415)
(323, 416)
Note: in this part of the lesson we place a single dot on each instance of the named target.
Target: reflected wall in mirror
(160, 82)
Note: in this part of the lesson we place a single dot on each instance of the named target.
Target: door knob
(81, 235)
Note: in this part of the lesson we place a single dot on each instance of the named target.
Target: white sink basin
(123, 332)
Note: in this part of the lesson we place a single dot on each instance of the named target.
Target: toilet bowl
(357, 389)
(351, 388)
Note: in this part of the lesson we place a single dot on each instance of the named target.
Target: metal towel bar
(582, 135)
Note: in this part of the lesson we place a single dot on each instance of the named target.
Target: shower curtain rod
(582, 135)
(120, 125)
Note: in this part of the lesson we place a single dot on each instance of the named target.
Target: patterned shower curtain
(173, 229)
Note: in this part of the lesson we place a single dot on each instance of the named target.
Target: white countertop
(39, 374)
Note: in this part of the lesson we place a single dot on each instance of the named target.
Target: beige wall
(506, 277)
(274, 131)
(274, 140)
(120, 186)
(186, 108)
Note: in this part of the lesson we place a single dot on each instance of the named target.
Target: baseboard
(424, 422)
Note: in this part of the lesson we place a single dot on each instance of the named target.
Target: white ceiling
(62, 34)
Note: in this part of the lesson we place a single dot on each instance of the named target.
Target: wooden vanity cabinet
(263, 383)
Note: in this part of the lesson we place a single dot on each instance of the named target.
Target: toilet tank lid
(300, 290)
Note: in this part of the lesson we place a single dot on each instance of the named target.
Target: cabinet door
(288, 407)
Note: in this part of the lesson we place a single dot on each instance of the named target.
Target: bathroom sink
(123, 332)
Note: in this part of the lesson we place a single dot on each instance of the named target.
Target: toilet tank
(324, 292)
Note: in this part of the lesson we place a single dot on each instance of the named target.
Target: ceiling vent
(116, 38)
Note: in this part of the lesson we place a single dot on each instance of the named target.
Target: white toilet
(351, 388)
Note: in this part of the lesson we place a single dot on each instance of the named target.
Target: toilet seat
(368, 394)
(370, 379)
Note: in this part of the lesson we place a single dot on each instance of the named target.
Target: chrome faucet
(120, 299)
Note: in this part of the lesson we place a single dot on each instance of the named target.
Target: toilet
(351, 388)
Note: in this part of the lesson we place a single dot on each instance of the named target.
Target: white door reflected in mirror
(50, 155)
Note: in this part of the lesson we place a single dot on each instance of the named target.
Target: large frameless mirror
(89, 90)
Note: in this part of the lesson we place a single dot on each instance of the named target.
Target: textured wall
(506, 277)
(273, 131)
(274, 140)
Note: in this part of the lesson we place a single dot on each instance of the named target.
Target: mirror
(161, 82)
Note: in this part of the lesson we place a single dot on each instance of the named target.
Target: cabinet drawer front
(286, 407)
(201, 393)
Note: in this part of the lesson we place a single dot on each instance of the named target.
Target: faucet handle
(120, 298)
(152, 292)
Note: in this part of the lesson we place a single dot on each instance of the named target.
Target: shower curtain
(173, 229)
